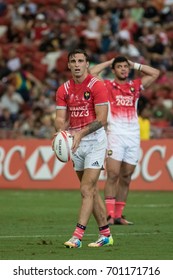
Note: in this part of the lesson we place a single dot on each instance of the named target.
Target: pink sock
(105, 230)
(79, 231)
(119, 207)
(110, 206)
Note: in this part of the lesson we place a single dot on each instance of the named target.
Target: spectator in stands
(14, 61)
(71, 40)
(73, 14)
(12, 101)
(51, 56)
(27, 8)
(137, 12)
(128, 23)
(3, 8)
(6, 120)
(26, 124)
(126, 48)
(31, 27)
(155, 51)
(106, 32)
(161, 115)
(47, 127)
(151, 11)
(39, 29)
(51, 83)
(93, 27)
(24, 81)
(4, 70)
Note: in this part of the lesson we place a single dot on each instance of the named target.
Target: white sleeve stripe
(61, 107)
(92, 82)
(66, 86)
(100, 104)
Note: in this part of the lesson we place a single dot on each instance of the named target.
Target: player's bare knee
(112, 177)
(87, 191)
(126, 179)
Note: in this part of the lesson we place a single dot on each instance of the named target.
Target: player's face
(78, 65)
(121, 70)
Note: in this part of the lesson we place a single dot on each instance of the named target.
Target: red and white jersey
(80, 100)
(123, 98)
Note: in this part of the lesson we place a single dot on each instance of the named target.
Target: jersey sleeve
(60, 98)
(138, 84)
(100, 93)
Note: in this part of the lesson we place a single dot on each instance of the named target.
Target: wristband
(137, 66)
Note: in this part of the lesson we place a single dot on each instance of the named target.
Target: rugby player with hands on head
(123, 131)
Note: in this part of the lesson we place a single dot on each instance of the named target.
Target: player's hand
(131, 63)
(76, 141)
(54, 138)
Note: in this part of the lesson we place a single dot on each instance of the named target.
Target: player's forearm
(148, 70)
(91, 128)
(150, 74)
(97, 69)
(145, 69)
(100, 121)
(60, 124)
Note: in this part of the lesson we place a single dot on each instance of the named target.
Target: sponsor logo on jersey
(87, 95)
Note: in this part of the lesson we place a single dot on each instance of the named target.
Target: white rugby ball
(62, 144)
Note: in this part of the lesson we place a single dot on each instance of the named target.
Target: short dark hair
(76, 51)
(119, 59)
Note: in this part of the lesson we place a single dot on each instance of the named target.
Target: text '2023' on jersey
(123, 99)
(80, 100)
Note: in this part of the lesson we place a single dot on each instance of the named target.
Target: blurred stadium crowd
(36, 35)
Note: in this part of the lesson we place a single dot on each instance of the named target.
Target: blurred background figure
(144, 124)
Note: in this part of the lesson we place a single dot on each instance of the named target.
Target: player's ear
(88, 65)
(68, 66)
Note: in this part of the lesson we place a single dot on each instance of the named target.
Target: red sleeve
(100, 93)
(60, 97)
(138, 84)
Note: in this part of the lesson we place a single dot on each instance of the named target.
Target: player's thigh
(113, 166)
(80, 175)
(127, 169)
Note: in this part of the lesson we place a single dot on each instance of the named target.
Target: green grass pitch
(34, 225)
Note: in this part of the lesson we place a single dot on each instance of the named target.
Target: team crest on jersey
(110, 152)
(87, 95)
(132, 89)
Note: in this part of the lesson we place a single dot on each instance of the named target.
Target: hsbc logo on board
(44, 171)
(41, 164)
(19, 160)
(144, 164)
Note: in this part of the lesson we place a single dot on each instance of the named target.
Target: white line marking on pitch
(151, 205)
(58, 235)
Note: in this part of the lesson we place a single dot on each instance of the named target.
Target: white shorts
(90, 154)
(124, 148)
